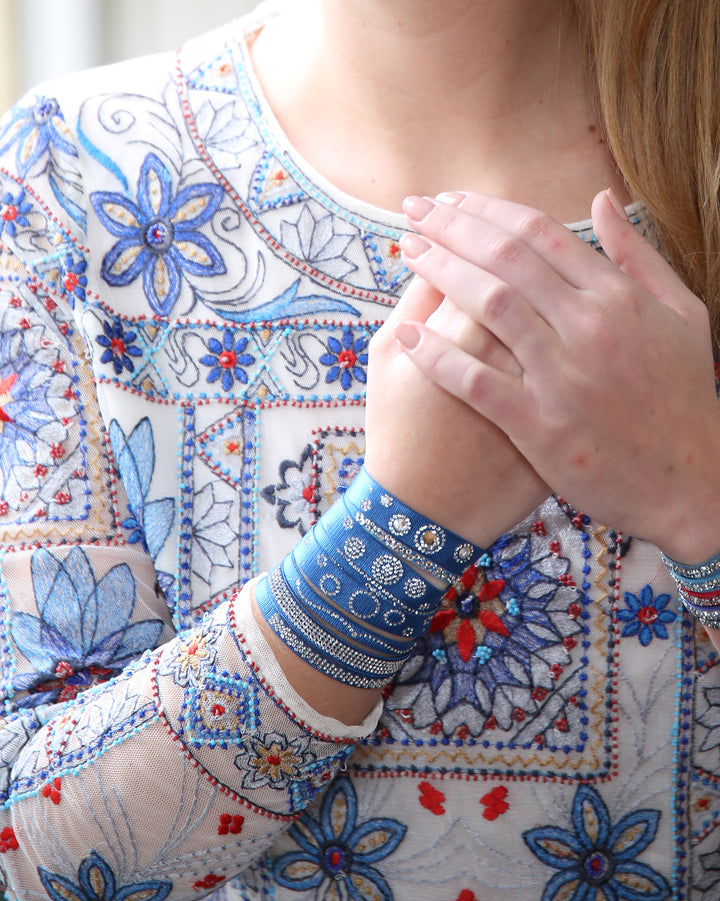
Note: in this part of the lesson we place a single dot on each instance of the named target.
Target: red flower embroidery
(494, 803)
(468, 608)
(52, 790)
(8, 841)
(209, 881)
(230, 824)
(432, 799)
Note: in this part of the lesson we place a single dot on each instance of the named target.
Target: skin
(389, 98)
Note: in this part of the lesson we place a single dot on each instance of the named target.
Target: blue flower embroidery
(74, 279)
(646, 616)
(83, 627)
(598, 860)
(13, 212)
(96, 882)
(152, 520)
(226, 360)
(337, 851)
(36, 129)
(160, 235)
(346, 360)
(119, 346)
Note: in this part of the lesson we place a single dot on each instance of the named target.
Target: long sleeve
(132, 760)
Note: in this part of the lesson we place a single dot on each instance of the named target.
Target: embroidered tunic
(186, 309)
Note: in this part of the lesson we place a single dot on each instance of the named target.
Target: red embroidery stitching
(495, 803)
(432, 799)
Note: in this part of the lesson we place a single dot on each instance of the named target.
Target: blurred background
(43, 38)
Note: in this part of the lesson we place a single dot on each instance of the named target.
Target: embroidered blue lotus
(227, 360)
(83, 626)
(151, 520)
(119, 346)
(96, 882)
(337, 851)
(347, 359)
(598, 860)
(160, 235)
(13, 212)
(646, 616)
(36, 128)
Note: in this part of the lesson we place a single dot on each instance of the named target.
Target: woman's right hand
(432, 450)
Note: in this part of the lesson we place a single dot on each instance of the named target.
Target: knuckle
(505, 249)
(534, 225)
(473, 386)
(497, 300)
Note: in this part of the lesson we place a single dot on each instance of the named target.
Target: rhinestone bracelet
(698, 588)
(363, 585)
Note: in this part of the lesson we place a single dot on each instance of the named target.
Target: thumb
(633, 254)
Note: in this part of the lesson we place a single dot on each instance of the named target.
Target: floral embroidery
(230, 824)
(211, 533)
(346, 359)
(152, 520)
(36, 129)
(337, 851)
(522, 654)
(159, 235)
(96, 882)
(8, 840)
(646, 616)
(83, 633)
(294, 495)
(431, 798)
(273, 759)
(33, 406)
(73, 278)
(13, 212)
(226, 360)
(318, 242)
(598, 859)
(494, 803)
(119, 346)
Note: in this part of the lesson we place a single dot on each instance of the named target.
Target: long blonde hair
(656, 67)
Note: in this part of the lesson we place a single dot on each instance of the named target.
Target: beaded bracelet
(699, 588)
(363, 585)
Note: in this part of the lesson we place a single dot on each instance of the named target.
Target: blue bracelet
(360, 588)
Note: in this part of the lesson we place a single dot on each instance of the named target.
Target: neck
(419, 96)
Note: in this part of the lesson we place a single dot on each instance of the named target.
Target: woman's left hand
(614, 402)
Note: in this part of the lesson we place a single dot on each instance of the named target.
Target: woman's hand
(613, 398)
(429, 448)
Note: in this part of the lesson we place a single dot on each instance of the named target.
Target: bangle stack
(699, 589)
(363, 585)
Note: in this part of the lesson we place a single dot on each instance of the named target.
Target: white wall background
(43, 38)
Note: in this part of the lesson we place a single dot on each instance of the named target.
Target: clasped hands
(521, 361)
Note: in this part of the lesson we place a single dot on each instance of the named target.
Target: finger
(495, 304)
(560, 249)
(496, 395)
(455, 325)
(634, 255)
(419, 301)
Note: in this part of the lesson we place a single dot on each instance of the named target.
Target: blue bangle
(360, 588)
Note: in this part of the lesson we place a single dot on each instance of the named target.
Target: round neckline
(337, 201)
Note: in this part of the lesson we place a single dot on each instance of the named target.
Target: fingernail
(617, 204)
(407, 334)
(417, 208)
(413, 245)
(454, 198)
